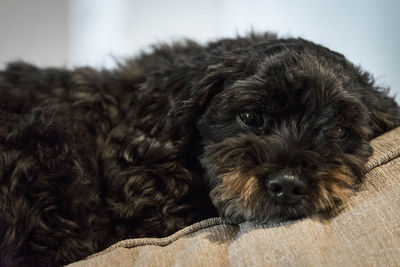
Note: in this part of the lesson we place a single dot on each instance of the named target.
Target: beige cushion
(365, 233)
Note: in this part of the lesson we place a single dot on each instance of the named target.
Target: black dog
(254, 128)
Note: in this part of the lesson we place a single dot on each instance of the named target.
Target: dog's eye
(341, 133)
(251, 118)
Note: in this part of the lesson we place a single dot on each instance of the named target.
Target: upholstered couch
(365, 233)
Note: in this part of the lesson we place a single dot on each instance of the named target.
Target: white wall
(94, 32)
(35, 31)
(124, 27)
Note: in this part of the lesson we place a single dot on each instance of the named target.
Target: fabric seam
(383, 159)
(164, 241)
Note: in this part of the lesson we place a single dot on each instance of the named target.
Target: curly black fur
(91, 157)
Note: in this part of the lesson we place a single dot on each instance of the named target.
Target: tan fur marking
(250, 187)
(236, 184)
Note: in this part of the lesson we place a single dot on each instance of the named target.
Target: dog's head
(287, 141)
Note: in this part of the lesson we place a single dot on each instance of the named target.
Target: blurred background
(96, 32)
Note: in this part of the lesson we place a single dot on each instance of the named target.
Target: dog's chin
(275, 214)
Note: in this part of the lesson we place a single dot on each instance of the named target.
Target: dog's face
(287, 141)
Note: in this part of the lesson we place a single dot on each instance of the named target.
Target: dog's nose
(286, 188)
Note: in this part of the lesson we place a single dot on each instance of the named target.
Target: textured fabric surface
(365, 233)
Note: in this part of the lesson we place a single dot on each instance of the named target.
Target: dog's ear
(178, 125)
(170, 138)
(383, 110)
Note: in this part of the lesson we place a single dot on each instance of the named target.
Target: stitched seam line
(383, 159)
(138, 242)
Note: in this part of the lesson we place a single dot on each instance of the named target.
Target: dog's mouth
(285, 211)
(289, 211)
